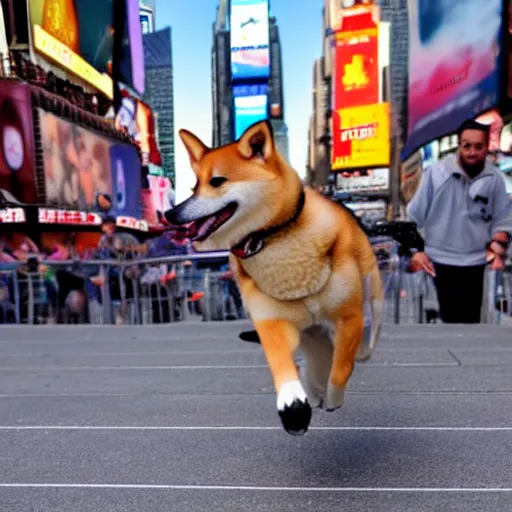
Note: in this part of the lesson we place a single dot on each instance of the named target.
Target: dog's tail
(374, 308)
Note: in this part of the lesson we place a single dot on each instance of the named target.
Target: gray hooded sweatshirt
(459, 215)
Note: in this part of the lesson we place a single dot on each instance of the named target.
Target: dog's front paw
(294, 409)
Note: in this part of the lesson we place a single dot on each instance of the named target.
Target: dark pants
(459, 292)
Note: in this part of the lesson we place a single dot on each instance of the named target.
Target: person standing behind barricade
(463, 208)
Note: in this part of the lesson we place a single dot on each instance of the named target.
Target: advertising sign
(126, 181)
(453, 65)
(137, 119)
(338, 9)
(76, 163)
(371, 180)
(357, 67)
(250, 54)
(249, 110)
(78, 36)
(17, 142)
(132, 72)
(80, 164)
(361, 137)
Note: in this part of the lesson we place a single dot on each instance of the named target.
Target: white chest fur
(289, 270)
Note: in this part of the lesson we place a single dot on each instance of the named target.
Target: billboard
(361, 137)
(77, 36)
(136, 118)
(126, 181)
(17, 142)
(250, 54)
(454, 65)
(366, 181)
(251, 106)
(337, 10)
(80, 164)
(357, 67)
(131, 65)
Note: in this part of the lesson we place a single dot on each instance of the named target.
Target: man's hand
(497, 251)
(420, 261)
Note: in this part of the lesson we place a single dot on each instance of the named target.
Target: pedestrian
(463, 209)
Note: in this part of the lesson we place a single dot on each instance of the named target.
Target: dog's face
(239, 189)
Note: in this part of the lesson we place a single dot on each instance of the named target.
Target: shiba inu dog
(305, 268)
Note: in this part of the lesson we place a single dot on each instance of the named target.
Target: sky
(300, 27)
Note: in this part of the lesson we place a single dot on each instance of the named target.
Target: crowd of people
(71, 276)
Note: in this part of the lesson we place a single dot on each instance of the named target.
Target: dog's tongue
(205, 226)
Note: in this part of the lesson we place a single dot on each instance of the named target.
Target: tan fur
(312, 273)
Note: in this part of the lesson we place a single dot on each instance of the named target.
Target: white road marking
(252, 428)
(131, 368)
(171, 487)
(44, 368)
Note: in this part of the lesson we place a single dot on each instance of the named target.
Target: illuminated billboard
(131, 66)
(361, 137)
(17, 142)
(357, 67)
(80, 164)
(454, 66)
(251, 106)
(250, 54)
(77, 36)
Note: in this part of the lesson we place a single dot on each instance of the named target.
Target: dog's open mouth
(200, 229)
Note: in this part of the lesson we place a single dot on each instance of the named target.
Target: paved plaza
(183, 418)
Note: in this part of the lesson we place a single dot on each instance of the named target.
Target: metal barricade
(177, 289)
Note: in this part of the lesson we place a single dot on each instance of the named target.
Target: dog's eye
(217, 181)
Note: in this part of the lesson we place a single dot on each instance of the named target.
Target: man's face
(473, 148)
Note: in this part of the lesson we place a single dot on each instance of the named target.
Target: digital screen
(250, 53)
(83, 44)
(249, 110)
(455, 67)
(132, 54)
(80, 164)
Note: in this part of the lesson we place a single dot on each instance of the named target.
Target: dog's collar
(255, 242)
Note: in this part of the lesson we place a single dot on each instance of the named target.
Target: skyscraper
(147, 15)
(257, 96)
(159, 92)
(275, 91)
(222, 96)
(396, 12)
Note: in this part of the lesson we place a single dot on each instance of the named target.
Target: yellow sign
(64, 57)
(361, 137)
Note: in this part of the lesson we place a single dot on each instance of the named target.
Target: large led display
(250, 54)
(249, 110)
(455, 65)
(78, 36)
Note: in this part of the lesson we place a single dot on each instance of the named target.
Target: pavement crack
(459, 362)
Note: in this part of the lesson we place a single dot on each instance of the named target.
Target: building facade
(159, 92)
(396, 13)
(223, 95)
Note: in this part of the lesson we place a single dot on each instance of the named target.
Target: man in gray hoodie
(463, 209)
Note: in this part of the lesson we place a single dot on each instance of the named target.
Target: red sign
(357, 68)
(132, 223)
(12, 216)
(50, 216)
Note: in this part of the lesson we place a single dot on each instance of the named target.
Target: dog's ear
(257, 141)
(194, 146)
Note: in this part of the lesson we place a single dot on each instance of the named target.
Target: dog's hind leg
(316, 346)
(373, 312)
(347, 341)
